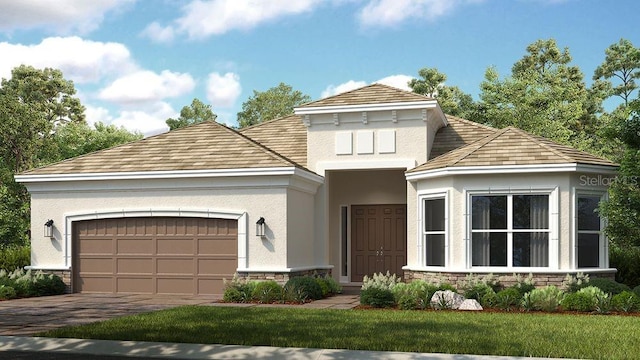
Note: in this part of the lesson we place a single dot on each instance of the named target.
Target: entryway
(378, 239)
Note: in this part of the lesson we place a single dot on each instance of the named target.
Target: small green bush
(545, 299)
(508, 299)
(414, 295)
(489, 299)
(7, 292)
(14, 257)
(233, 295)
(323, 286)
(28, 283)
(478, 291)
(626, 301)
(267, 292)
(238, 289)
(608, 286)
(302, 288)
(377, 297)
(524, 285)
(381, 281)
(578, 302)
(627, 261)
(445, 287)
(636, 290)
(334, 286)
(573, 283)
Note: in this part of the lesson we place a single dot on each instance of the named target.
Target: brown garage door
(154, 255)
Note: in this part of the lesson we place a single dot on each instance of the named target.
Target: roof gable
(511, 146)
(370, 94)
(459, 133)
(204, 146)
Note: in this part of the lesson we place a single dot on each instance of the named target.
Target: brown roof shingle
(511, 146)
(458, 133)
(204, 146)
(287, 136)
(370, 94)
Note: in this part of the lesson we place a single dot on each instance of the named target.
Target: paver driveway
(32, 315)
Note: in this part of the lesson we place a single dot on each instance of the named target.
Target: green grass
(514, 334)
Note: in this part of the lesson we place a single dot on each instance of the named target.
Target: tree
(33, 103)
(544, 95)
(276, 102)
(452, 100)
(79, 138)
(197, 112)
(622, 62)
(622, 210)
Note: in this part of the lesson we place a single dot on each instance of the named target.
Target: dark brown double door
(378, 240)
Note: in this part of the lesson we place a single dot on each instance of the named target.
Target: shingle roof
(511, 146)
(460, 132)
(204, 146)
(370, 94)
(287, 136)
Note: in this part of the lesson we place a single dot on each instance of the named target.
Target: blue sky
(136, 63)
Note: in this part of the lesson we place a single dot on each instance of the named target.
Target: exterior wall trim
(323, 166)
(332, 109)
(509, 169)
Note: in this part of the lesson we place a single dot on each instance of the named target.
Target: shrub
(608, 286)
(626, 301)
(7, 292)
(323, 286)
(415, 295)
(524, 285)
(28, 283)
(578, 301)
(508, 299)
(478, 291)
(334, 286)
(238, 289)
(489, 299)
(490, 280)
(380, 281)
(636, 290)
(47, 284)
(627, 261)
(14, 257)
(377, 297)
(302, 288)
(445, 287)
(573, 283)
(545, 299)
(267, 292)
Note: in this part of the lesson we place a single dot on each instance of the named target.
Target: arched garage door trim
(240, 216)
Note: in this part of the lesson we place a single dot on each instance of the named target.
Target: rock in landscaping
(446, 300)
(470, 304)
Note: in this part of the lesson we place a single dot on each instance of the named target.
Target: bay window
(510, 230)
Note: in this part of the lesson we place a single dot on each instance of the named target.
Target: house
(366, 181)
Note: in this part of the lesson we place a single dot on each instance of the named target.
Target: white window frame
(422, 258)
(553, 230)
(603, 243)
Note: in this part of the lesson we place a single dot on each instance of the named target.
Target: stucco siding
(300, 226)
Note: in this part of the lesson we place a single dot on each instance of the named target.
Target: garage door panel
(154, 255)
(172, 285)
(215, 266)
(134, 246)
(175, 266)
(134, 266)
(136, 285)
(214, 246)
(175, 246)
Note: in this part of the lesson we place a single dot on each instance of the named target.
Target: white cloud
(60, 16)
(80, 60)
(202, 18)
(223, 90)
(149, 120)
(344, 87)
(146, 86)
(398, 81)
(393, 12)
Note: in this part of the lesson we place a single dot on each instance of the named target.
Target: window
(434, 231)
(510, 230)
(589, 231)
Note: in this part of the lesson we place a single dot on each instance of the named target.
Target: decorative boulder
(470, 304)
(446, 299)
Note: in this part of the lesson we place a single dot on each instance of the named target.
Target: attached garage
(154, 255)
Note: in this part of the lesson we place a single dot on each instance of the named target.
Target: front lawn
(514, 334)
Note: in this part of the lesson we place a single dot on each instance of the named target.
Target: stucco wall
(300, 227)
(455, 186)
(260, 196)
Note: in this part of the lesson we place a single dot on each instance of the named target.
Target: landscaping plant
(544, 299)
(267, 292)
(20, 283)
(302, 288)
(626, 301)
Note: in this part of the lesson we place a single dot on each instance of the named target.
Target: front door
(378, 240)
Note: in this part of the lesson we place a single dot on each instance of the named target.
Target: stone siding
(283, 277)
(458, 279)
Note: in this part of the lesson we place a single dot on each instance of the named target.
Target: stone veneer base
(458, 279)
(283, 277)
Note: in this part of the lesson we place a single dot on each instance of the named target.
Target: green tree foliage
(267, 105)
(622, 64)
(544, 95)
(452, 100)
(623, 207)
(40, 122)
(195, 113)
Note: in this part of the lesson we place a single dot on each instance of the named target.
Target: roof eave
(510, 169)
(331, 109)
